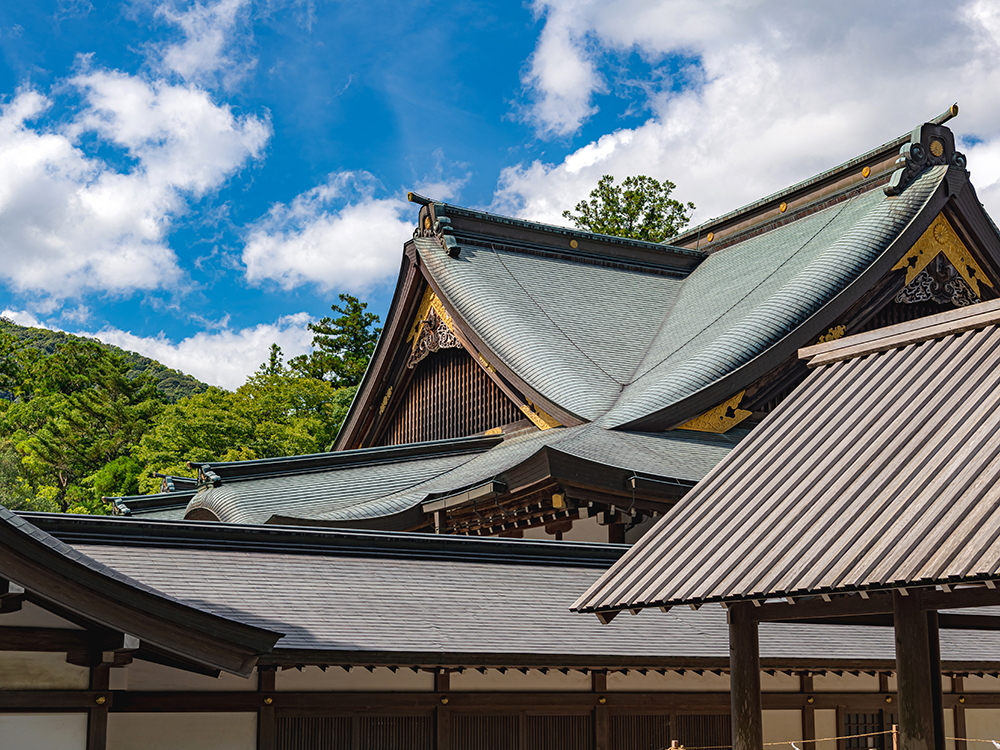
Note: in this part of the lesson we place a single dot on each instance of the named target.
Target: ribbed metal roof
(880, 470)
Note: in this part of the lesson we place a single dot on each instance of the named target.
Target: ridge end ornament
(721, 418)
(433, 226)
(930, 145)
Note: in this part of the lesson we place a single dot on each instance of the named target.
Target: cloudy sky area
(195, 181)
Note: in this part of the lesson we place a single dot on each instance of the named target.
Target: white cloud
(208, 46)
(72, 222)
(23, 318)
(225, 357)
(782, 90)
(337, 235)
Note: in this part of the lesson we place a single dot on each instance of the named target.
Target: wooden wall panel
(705, 730)
(397, 733)
(639, 732)
(477, 732)
(559, 732)
(449, 396)
(313, 733)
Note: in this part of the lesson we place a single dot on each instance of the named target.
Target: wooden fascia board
(715, 393)
(364, 409)
(172, 626)
(479, 351)
(977, 231)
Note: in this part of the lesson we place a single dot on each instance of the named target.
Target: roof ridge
(885, 148)
(903, 334)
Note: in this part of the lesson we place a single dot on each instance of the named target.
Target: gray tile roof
(616, 345)
(879, 471)
(367, 491)
(389, 608)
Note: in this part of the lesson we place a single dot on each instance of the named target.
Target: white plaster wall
(845, 683)
(652, 682)
(31, 616)
(186, 731)
(145, 675)
(982, 724)
(986, 684)
(534, 681)
(636, 533)
(783, 726)
(40, 670)
(358, 679)
(586, 530)
(779, 683)
(826, 726)
(56, 731)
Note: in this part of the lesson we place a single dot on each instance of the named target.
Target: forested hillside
(173, 383)
(80, 421)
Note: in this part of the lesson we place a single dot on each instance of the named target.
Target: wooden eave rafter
(120, 606)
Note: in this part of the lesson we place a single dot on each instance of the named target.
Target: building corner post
(914, 674)
(744, 671)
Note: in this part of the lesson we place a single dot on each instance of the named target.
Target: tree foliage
(342, 346)
(640, 208)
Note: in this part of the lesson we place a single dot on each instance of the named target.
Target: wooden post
(442, 714)
(808, 712)
(267, 735)
(97, 720)
(895, 736)
(744, 671)
(913, 674)
(602, 721)
(957, 688)
(937, 697)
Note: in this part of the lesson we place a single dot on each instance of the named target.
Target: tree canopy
(342, 346)
(640, 208)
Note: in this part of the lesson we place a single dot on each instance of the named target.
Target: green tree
(342, 346)
(640, 208)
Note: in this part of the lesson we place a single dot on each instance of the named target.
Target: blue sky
(196, 180)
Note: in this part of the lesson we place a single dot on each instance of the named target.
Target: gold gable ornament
(721, 419)
(539, 418)
(941, 241)
(432, 330)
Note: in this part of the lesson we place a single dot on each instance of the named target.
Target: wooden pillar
(267, 736)
(937, 698)
(442, 714)
(808, 712)
(602, 722)
(744, 671)
(957, 688)
(97, 720)
(913, 674)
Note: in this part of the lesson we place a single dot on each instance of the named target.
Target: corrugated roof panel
(877, 470)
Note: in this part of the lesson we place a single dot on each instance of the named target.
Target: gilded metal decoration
(939, 282)
(538, 417)
(930, 145)
(837, 332)
(941, 239)
(710, 236)
(385, 401)
(574, 244)
(487, 366)
(866, 171)
(721, 419)
(783, 207)
(432, 330)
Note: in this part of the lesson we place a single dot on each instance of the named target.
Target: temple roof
(879, 472)
(376, 598)
(386, 486)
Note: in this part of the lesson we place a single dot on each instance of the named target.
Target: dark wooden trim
(442, 727)
(744, 671)
(267, 736)
(97, 716)
(957, 688)
(808, 710)
(913, 675)
(43, 639)
(425, 703)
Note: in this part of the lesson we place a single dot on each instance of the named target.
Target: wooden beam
(913, 675)
(957, 688)
(97, 719)
(744, 671)
(43, 639)
(807, 609)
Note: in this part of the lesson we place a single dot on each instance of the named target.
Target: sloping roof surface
(371, 491)
(880, 470)
(490, 597)
(746, 297)
(574, 331)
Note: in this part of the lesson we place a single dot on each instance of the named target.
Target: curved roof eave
(690, 406)
(58, 573)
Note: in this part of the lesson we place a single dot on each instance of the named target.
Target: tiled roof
(365, 597)
(880, 471)
(367, 490)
